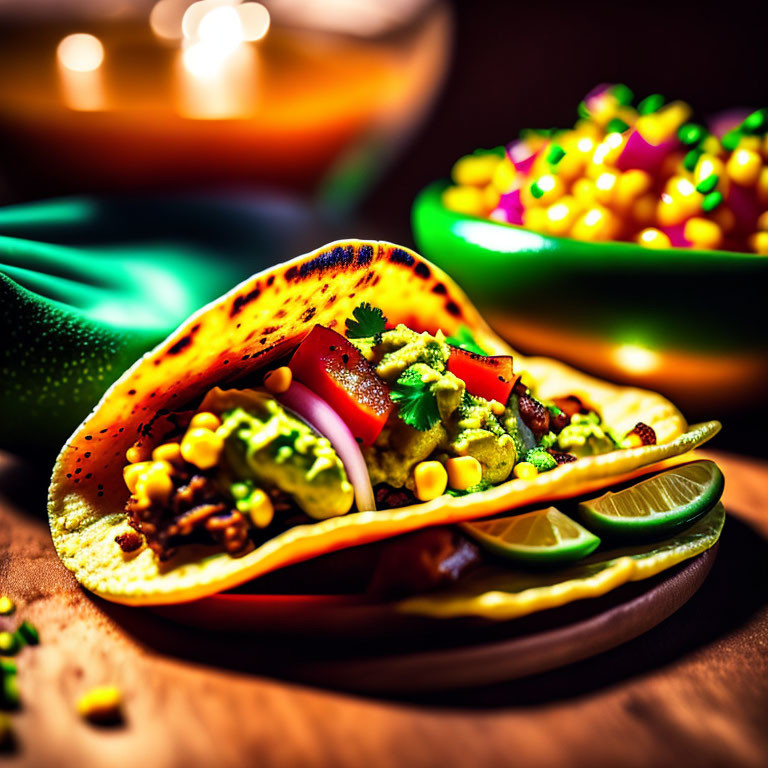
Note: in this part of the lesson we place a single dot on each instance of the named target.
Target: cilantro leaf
(368, 321)
(416, 400)
(465, 340)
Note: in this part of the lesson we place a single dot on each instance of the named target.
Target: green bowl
(698, 306)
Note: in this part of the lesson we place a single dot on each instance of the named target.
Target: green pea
(29, 633)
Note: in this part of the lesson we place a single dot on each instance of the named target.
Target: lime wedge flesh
(545, 536)
(664, 502)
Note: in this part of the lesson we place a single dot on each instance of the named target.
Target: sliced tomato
(334, 369)
(488, 377)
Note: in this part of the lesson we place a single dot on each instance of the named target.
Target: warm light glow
(636, 359)
(255, 21)
(221, 29)
(80, 52)
(165, 19)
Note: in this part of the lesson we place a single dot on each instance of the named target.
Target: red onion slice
(324, 420)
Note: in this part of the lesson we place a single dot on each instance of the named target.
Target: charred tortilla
(251, 327)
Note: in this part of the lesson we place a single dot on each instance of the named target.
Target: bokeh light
(80, 52)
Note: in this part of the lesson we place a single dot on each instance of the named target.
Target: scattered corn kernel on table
(693, 691)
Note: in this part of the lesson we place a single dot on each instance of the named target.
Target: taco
(346, 397)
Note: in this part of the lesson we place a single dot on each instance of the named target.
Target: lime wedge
(545, 536)
(662, 503)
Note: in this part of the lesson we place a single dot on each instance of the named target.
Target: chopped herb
(463, 339)
(483, 485)
(651, 104)
(369, 321)
(616, 125)
(28, 632)
(417, 401)
(540, 459)
(622, 94)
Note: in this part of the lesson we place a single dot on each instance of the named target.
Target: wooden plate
(345, 642)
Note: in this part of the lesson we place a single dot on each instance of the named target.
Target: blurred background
(239, 134)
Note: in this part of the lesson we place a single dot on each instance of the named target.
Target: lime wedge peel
(503, 595)
(661, 503)
(545, 537)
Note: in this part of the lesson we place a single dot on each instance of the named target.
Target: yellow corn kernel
(706, 166)
(467, 200)
(605, 186)
(744, 166)
(132, 472)
(170, 452)
(653, 238)
(279, 380)
(202, 447)
(632, 440)
(475, 170)
(652, 129)
(762, 222)
(762, 186)
(584, 191)
(154, 483)
(711, 145)
(504, 176)
(134, 454)
(644, 209)
(630, 186)
(491, 197)
(595, 225)
(703, 233)
(463, 472)
(561, 215)
(679, 201)
(724, 218)
(497, 408)
(535, 219)
(759, 243)
(525, 471)
(750, 142)
(205, 420)
(430, 479)
(606, 153)
(101, 705)
(551, 188)
(261, 510)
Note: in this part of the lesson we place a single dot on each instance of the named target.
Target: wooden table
(693, 691)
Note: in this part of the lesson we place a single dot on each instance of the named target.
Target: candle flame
(80, 52)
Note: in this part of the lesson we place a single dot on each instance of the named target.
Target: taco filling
(379, 416)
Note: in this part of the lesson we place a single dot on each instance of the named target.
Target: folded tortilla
(245, 331)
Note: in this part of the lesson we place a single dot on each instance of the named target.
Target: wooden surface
(693, 691)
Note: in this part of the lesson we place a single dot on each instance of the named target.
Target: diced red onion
(521, 156)
(676, 235)
(641, 154)
(743, 203)
(511, 207)
(324, 420)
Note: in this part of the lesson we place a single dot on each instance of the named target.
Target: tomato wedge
(488, 377)
(334, 369)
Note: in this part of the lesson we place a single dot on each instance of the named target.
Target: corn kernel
(154, 483)
(475, 170)
(751, 143)
(202, 447)
(261, 509)
(430, 479)
(595, 225)
(711, 145)
(134, 454)
(679, 201)
(759, 243)
(762, 186)
(101, 705)
(491, 197)
(279, 380)
(762, 222)
(630, 186)
(744, 166)
(632, 440)
(497, 408)
(170, 452)
(653, 238)
(525, 471)
(550, 188)
(724, 218)
(584, 191)
(463, 472)
(535, 219)
(644, 209)
(467, 200)
(707, 166)
(703, 233)
(605, 184)
(561, 215)
(504, 176)
(132, 472)
(205, 420)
